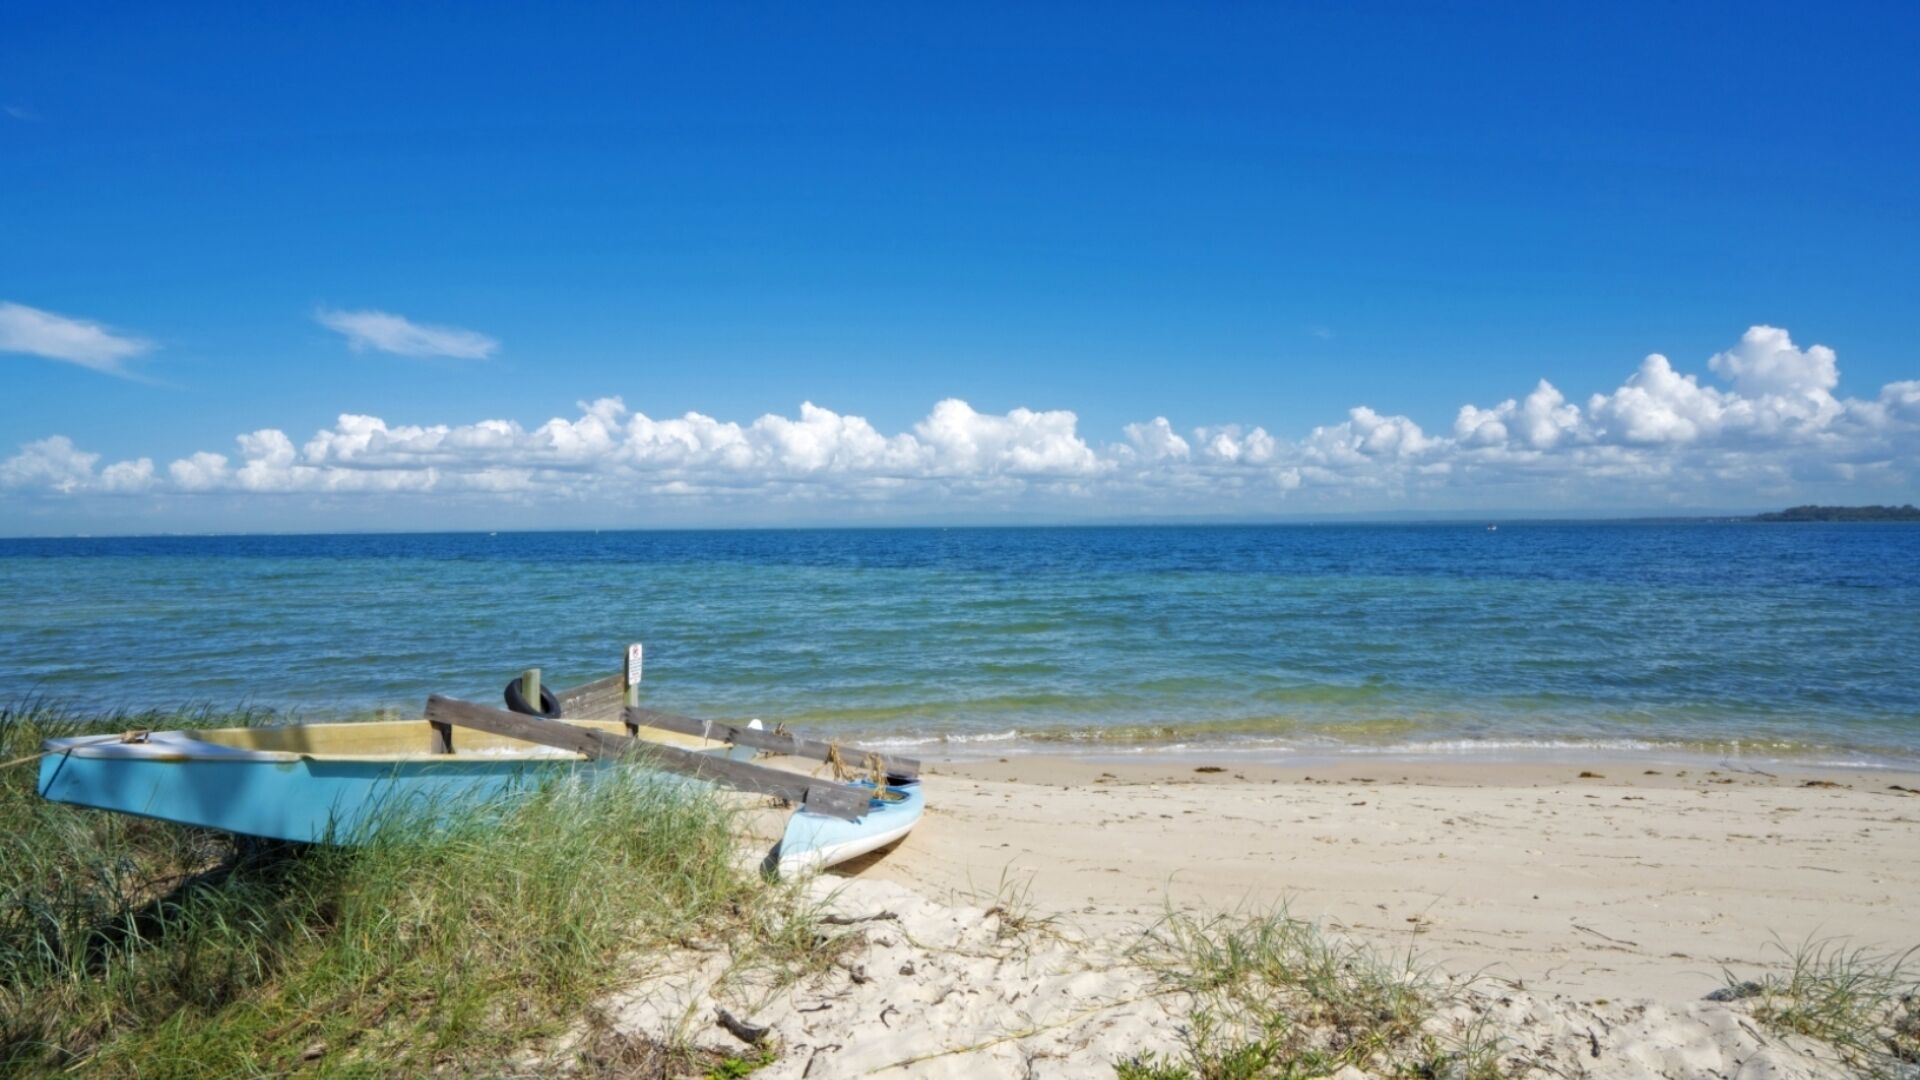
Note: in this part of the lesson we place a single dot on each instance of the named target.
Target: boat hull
(332, 783)
(309, 800)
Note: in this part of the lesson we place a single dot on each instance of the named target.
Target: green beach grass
(137, 947)
(1863, 1002)
(1272, 996)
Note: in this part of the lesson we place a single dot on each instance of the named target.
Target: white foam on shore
(900, 742)
(1787, 754)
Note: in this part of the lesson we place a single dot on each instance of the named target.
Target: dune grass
(1862, 1002)
(1271, 996)
(130, 946)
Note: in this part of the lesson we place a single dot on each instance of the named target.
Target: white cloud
(962, 442)
(53, 463)
(1775, 428)
(1156, 440)
(1901, 400)
(1230, 445)
(203, 471)
(1366, 437)
(127, 477)
(40, 333)
(1658, 405)
(1539, 422)
(396, 334)
(1765, 362)
(1779, 393)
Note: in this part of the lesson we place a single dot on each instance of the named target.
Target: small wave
(1009, 706)
(1234, 738)
(1482, 746)
(893, 742)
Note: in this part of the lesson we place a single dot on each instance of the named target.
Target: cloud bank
(44, 334)
(384, 332)
(1773, 426)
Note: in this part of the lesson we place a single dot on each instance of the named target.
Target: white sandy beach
(1592, 914)
(1625, 884)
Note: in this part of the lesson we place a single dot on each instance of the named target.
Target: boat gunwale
(190, 749)
(191, 744)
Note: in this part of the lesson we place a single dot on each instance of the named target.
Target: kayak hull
(815, 841)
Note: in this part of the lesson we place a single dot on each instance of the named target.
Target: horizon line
(1387, 518)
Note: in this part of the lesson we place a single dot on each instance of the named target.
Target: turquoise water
(1792, 641)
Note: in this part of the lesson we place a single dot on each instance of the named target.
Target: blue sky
(1258, 217)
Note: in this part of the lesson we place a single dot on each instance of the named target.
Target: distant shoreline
(1873, 514)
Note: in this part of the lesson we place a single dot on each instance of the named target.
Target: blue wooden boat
(320, 783)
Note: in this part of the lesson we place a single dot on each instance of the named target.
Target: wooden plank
(597, 700)
(820, 796)
(778, 742)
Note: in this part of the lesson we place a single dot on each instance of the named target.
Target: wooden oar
(819, 796)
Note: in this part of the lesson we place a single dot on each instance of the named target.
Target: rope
(136, 736)
(840, 770)
(878, 769)
(874, 764)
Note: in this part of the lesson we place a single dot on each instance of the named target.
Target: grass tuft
(130, 946)
(1863, 1002)
(1016, 912)
(1271, 996)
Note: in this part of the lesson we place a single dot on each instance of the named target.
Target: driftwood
(849, 920)
(779, 742)
(819, 796)
(751, 1034)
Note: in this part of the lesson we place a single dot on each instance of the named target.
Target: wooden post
(530, 688)
(441, 741)
(635, 654)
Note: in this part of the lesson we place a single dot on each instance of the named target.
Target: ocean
(1759, 641)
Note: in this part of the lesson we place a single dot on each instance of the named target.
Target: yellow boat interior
(378, 739)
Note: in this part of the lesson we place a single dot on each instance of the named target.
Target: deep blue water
(1773, 639)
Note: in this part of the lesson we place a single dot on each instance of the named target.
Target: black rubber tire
(517, 701)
